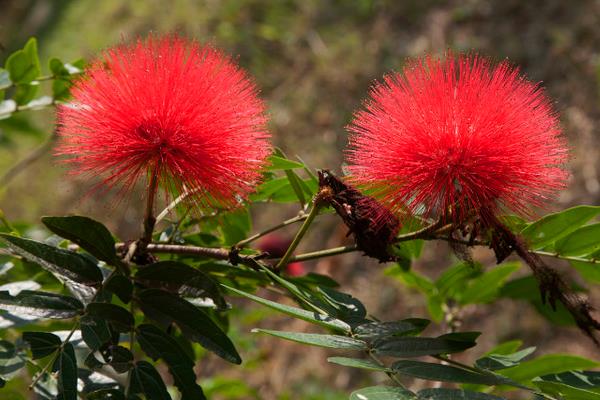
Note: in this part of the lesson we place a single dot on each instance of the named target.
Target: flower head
(456, 136)
(171, 108)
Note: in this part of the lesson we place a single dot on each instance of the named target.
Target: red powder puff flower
(456, 136)
(172, 109)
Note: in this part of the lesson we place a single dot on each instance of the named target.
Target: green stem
(569, 258)
(422, 233)
(390, 374)
(303, 229)
(301, 217)
(56, 355)
(174, 204)
(323, 253)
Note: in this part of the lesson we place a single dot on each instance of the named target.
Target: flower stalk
(149, 219)
(314, 211)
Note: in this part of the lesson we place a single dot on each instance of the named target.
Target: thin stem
(212, 252)
(300, 217)
(39, 79)
(480, 371)
(390, 374)
(56, 354)
(323, 253)
(149, 220)
(174, 204)
(309, 219)
(458, 364)
(422, 233)
(569, 258)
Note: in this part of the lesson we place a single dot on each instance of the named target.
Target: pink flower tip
(458, 136)
(170, 107)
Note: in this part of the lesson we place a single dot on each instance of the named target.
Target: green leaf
(281, 163)
(25, 93)
(41, 304)
(485, 288)
(413, 280)
(65, 265)
(344, 306)
(76, 67)
(57, 67)
(89, 234)
(421, 346)
(590, 272)
(42, 344)
(95, 332)
(435, 307)
(118, 317)
(374, 330)
(547, 364)
(92, 363)
(514, 222)
(382, 393)
(24, 65)
(145, 379)
(446, 373)
(314, 279)
(307, 297)
(315, 339)
(454, 279)
(61, 89)
(296, 183)
(309, 316)
(501, 361)
(119, 358)
(555, 226)
(565, 391)
(454, 394)
(505, 348)
(358, 363)
(236, 225)
(583, 241)
(66, 367)
(164, 307)
(524, 288)
(121, 286)
(182, 279)
(580, 379)
(158, 344)
(266, 190)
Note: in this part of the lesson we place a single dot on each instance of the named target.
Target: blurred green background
(314, 61)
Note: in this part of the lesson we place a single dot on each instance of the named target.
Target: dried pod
(374, 227)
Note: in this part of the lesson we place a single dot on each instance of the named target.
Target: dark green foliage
(41, 343)
(166, 308)
(171, 306)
